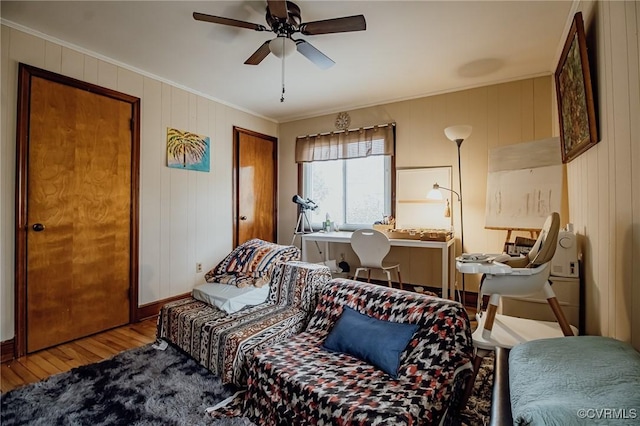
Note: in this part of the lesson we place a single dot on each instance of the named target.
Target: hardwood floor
(58, 359)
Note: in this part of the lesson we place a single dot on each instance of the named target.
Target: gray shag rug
(142, 386)
(146, 386)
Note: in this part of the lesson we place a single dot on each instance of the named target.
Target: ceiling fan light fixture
(284, 20)
(282, 46)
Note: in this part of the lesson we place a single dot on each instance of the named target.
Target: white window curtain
(356, 143)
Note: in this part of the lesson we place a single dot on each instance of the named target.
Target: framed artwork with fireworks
(188, 151)
(576, 109)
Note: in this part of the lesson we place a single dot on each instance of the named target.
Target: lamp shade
(434, 193)
(460, 132)
(282, 46)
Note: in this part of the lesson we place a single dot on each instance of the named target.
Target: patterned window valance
(355, 143)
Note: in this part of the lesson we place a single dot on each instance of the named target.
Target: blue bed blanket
(575, 381)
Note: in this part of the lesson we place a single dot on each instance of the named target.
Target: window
(348, 174)
(354, 192)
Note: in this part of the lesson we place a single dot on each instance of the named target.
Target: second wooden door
(255, 178)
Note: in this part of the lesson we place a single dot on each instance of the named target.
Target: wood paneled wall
(502, 114)
(604, 182)
(185, 216)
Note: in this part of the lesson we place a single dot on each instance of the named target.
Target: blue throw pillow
(375, 341)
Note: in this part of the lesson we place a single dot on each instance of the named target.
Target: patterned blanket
(296, 382)
(251, 263)
(225, 343)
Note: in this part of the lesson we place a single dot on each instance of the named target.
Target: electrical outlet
(198, 267)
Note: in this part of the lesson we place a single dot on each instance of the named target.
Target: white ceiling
(410, 48)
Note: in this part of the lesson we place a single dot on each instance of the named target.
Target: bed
(567, 381)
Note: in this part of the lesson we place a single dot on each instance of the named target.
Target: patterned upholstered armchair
(298, 381)
(224, 342)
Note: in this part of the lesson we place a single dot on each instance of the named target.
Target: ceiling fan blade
(336, 25)
(278, 8)
(314, 55)
(257, 57)
(228, 21)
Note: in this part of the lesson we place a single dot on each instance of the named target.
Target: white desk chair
(371, 246)
(518, 277)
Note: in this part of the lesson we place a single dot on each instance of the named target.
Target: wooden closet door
(78, 213)
(255, 175)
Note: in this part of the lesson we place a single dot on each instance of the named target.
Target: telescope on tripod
(304, 205)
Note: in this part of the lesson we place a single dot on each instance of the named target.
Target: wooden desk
(345, 238)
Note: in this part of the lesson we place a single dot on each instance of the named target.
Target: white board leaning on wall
(524, 184)
(413, 209)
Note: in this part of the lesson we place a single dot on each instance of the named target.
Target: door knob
(38, 227)
(243, 218)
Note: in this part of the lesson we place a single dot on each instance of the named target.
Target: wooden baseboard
(152, 309)
(7, 350)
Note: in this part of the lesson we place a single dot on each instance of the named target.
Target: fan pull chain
(282, 96)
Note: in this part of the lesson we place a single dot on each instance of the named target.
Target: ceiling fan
(283, 18)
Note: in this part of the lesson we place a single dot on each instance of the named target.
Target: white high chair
(519, 277)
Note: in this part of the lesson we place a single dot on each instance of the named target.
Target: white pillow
(230, 298)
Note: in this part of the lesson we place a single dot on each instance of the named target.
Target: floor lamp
(458, 134)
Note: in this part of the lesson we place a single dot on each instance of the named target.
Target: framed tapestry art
(575, 96)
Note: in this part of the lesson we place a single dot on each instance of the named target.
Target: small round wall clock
(343, 121)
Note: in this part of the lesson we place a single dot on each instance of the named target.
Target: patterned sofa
(225, 342)
(298, 382)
